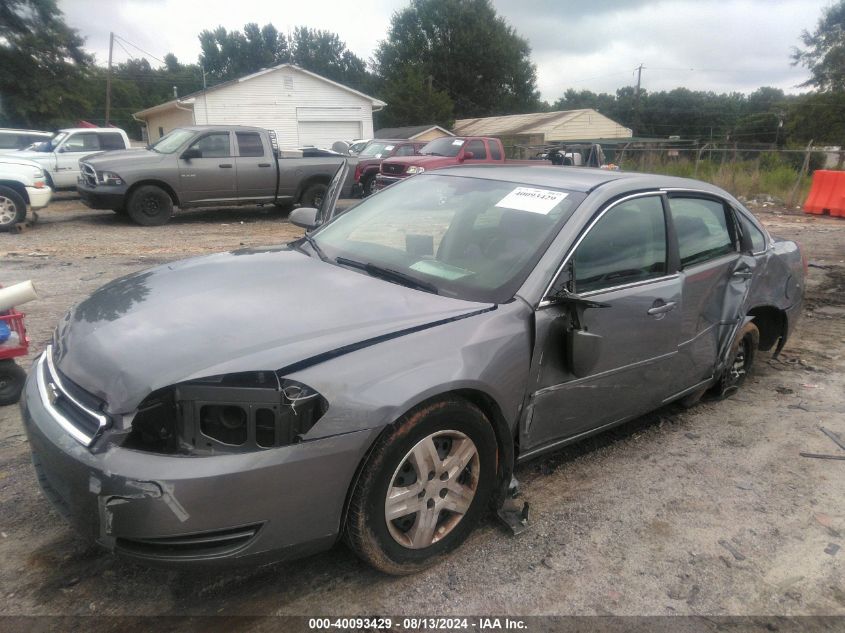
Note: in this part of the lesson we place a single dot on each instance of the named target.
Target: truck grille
(393, 169)
(72, 408)
(89, 174)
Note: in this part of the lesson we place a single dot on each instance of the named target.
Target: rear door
(624, 262)
(210, 177)
(255, 166)
(711, 269)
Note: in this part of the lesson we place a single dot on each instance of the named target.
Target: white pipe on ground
(17, 295)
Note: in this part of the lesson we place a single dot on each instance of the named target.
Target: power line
(158, 59)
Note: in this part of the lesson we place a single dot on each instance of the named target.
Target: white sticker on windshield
(378, 156)
(389, 147)
(532, 200)
(458, 142)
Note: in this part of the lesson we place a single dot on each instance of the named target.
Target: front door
(207, 170)
(74, 148)
(623, 262)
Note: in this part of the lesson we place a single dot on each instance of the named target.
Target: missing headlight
(226, 414)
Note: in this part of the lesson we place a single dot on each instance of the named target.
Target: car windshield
(172, 141)
(446, 146)
(377, 150)
(470, 238)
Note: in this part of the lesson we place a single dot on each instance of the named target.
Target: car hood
(117, 158)
(26, 154)
(248, 310)
(429, 162)
(15, 160)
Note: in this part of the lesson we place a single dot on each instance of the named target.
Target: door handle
(743, 273)
(263, 164)
(225, 165)
(661, 309)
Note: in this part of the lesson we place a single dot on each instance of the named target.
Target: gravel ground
(709, 511)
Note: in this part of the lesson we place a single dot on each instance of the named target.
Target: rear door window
(249, 144)
(111, 140)
(495, 154)
(627, 245)
(704, 229)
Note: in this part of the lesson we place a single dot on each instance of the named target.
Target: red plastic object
(827, 195)
(14, 320)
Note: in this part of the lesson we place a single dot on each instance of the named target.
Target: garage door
(324, 133)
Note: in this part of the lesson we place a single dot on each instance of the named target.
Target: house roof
(535, 123)
(409, 132)
(187, 101)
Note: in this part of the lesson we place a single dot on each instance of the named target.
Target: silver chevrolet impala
(378, 379)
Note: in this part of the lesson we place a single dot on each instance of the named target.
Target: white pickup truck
(22, 182)
(60, 155)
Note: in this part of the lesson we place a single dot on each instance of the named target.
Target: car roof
(92, 129)
(583, 179)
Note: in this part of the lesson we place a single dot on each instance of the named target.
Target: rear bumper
(248, 508)
(39, 198)
(102, 197)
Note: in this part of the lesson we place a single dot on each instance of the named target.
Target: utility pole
(108, 79)
(637, 99)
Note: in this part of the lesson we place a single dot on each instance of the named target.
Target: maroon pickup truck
(441, 152)
(370, 158)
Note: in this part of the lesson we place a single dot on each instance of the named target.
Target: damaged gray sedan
(378, 379)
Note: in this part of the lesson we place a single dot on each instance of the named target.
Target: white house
(302, 107)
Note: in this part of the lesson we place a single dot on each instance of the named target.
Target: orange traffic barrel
(827, 194)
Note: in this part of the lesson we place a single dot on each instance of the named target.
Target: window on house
(288, 82)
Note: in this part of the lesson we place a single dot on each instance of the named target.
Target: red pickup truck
(371, 157)
(441, 152)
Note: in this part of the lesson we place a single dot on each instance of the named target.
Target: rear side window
(477, 149)
(495, 154)
(628, 244)
(703, 229)
(249, 144)
(110, 141)
(82, 142)
(758, 241)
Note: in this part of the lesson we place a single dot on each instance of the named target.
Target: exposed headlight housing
(236, 413)
(413, 169)
(109, 178)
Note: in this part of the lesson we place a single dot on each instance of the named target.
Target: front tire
(150, 205)
(425, 486)
(12, 208)
(369, 185)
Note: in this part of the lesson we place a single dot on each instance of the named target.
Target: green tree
(824, 50)
(471, 54)
(42, 65)
(232, 54)
(324, 53)
(412, 100)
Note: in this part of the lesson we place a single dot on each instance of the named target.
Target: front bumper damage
(234, 508)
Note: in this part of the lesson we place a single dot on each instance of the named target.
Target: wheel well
(17, 188)
(158, 183)
(504, 440)
(771, 322)
(313, 180)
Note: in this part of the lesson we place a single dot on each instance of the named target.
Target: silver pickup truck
(200, 166)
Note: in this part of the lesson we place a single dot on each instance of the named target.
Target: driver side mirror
(304, 217)
(466, 156)
(191, 152)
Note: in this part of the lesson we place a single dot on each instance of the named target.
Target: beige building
(520, 130)
(303, 108)
(414, 132)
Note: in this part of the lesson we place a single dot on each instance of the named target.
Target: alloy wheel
(432, 489)
(8, 210)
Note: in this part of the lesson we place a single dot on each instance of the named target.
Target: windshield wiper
(313, 244)
(388, 274)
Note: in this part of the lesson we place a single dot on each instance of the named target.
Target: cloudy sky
(720, 45)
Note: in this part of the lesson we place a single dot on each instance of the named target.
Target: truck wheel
(313, 195)
(425, 486)
(370, 185)
(12, 379)
(12, 208)
(150, 206)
